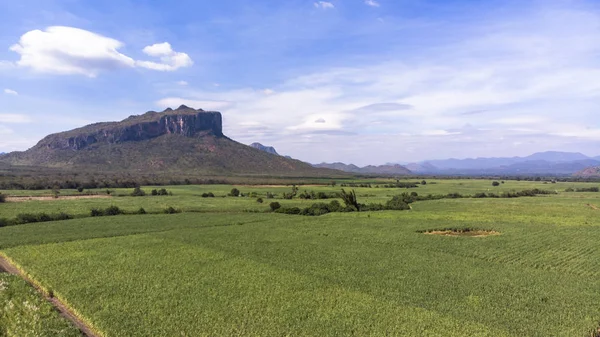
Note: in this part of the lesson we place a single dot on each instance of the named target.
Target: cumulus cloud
(320, 120)
(182, 83)
(324, 5)
(170, 59)
(67, 50)
(372, 3)
(10, 92)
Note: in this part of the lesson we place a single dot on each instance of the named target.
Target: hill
(589, 172)
(390, 169)
(184, 140)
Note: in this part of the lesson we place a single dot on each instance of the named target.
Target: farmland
(228, 266)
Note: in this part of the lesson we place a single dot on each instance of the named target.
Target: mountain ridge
(173, 141)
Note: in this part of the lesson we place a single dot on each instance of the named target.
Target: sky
(356, 81)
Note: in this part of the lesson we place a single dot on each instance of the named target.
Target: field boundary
(6, 265)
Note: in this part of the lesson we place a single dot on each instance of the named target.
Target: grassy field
(223, 271)
(23, 312)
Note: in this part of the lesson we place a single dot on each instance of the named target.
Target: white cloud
(14, 119)
(10, 92)
(170, 59)
(372, 3)
(182, 83)
(324, 5)
(67, 50)
(268, 92)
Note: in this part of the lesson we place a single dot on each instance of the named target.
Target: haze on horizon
(356, 81)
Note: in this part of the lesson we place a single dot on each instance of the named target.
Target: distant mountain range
(550, 163)
(392, 169)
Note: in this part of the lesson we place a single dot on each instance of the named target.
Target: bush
(208, 195)
(397, 203)
(480, 195)
(234, 192)
(141, 211)
(5, 222)
(275, 206)
(138, 192)
(293, 210)
(259, 200)
(2, 198)
(112, 210)
(154, 192)
(25, 218)
(96, 212)
(79, 189)
(423, 182)
(270, 195)
(495, 183)
(588, 189)
(171, 210)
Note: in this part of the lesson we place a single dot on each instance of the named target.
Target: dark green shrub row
(401, 185)
(316, 196)
(25, 218)
(585, 189)
(208, 195)
(109, 211)
(162, 191)
(356, 185)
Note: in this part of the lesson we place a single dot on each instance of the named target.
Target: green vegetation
(23, 312)
(234, 266)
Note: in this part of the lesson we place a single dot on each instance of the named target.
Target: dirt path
(66, 197)
(593, 207)
(6, 266)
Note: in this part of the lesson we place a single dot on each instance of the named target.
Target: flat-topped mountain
(181, 140)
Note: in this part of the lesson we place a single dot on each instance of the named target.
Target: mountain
(551, 163)
(394, 169)
(171, 141)
(267, 149)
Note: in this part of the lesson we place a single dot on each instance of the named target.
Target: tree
(423, 182)
(349, 199)
(275, 206)
(234, 192)
(138, 192)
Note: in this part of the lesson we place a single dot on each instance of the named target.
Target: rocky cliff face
(183, 121)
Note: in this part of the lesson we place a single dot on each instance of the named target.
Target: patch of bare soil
(593, 206)
(66, 197)
(474, 233)
(6, 266)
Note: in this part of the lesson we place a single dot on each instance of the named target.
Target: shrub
(570, 189)
(25, 218)
(154, 192)
(423, 182)
(141, 211)
(5, 222)
(2, 198)
(138, 192)
(79, 189)
(397, 203)
(112, 210)
(588, 189)
(253, 195)
(234, 192)
(96, 212)
(480, 195)
(275, 206)
(270, 195)
(349, 199)
(495, 183)
(259, 200)
(292, 210)
(208, 195)
(171, 210)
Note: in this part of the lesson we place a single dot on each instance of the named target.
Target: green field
(221, 269)
(23, 312)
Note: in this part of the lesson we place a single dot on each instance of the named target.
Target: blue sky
(359, 81)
